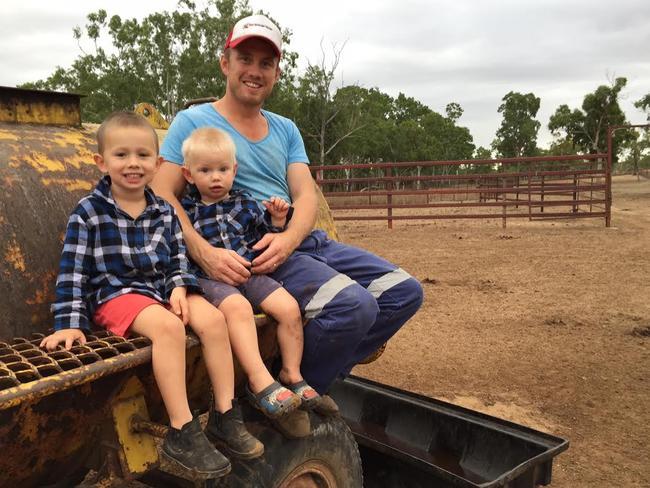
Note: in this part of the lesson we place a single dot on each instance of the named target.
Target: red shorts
(118, 314)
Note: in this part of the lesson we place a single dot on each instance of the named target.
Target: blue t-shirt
(262, 165)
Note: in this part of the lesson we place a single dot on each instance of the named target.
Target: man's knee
(352, 308)
(412, 292)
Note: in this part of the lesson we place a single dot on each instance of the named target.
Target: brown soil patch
(542, 323)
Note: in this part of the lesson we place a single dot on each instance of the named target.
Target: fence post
(608, 180)
(389, 196)
(517, 190)
(505, 200)
(575, 192)
(530, 210)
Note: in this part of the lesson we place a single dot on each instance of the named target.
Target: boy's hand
(278, 209)
(66, 337)
(178, 303)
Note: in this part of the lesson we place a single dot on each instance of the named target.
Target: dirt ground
(543, 323)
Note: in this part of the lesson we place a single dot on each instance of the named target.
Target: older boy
(124, 266)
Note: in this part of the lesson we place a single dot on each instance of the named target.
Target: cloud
(471, 52)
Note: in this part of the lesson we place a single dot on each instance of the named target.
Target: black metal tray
(409, 440)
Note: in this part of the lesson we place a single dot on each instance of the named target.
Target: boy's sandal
(273, 401)
(311, 400)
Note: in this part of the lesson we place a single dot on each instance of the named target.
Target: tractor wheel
(327, 458)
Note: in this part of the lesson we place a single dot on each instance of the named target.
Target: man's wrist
(295, 238)
(202, 249)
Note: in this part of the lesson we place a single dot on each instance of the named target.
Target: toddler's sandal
(311, 400)
(307, 394)
(274, 401)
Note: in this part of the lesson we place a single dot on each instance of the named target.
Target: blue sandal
(274, 401)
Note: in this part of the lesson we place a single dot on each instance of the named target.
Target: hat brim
(241, 39)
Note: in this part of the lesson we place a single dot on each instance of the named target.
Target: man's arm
(220, 264)
(305, 207)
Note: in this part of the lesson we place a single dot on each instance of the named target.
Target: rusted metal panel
(40, 373)
(44, 171)
(44, 440)
(50, 424)
(23, 106)
(137, 452)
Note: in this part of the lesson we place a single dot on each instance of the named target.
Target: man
(354, 301)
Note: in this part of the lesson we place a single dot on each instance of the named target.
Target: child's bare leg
(243, 338)
(167, 335)
(284, 309)
(210, 325)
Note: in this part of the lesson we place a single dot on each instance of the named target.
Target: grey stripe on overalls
(333, 286)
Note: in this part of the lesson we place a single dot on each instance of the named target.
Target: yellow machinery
(60, 410)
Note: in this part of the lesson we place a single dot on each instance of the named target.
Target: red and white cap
(255, 26)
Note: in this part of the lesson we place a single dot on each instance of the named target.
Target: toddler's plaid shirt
(236, 223)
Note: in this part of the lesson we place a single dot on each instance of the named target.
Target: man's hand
(278, 209)
(65, 336)
(279, 247)
(178, 304)
(224, 265)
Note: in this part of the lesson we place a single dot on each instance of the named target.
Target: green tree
(165, 59)
(479, 153)
(517, 135)
(321, 114)
(482, 153)
(454, 111)
(372, 109)
(644, 104)
(586, 129)
(636, 151)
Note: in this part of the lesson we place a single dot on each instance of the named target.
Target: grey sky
(467, 51)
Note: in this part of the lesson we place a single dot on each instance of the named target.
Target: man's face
(251, 70)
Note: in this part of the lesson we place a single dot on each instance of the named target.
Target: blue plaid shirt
(107, 253)
(236, 223)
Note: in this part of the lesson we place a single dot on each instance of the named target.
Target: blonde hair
(211, 139)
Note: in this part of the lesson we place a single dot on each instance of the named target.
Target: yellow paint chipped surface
(7, 136)
(69, 184)
(47, 148)
(40, 296)
(14, 256)
(45, 113)
(42, 163)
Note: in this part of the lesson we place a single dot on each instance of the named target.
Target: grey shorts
(255, 290)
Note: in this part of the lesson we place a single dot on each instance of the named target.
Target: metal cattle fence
(545, 187)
